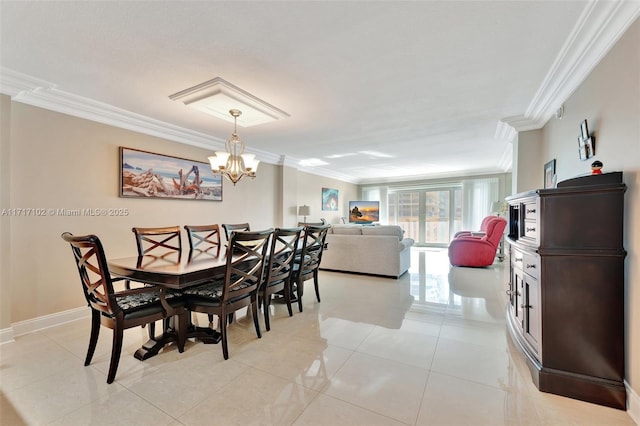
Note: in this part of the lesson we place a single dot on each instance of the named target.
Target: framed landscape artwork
(364, 211)
(147, 175)
(329, 199)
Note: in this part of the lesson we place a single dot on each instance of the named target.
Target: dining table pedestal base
(206, 335)
(152, 346)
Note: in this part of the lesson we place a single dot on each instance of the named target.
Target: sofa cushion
(384, 230)
(347, 230)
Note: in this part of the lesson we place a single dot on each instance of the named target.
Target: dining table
(172, 271)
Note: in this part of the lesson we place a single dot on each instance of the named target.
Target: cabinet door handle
(531, 229)
(531, 211)
(525, 306)
(518, 259)
(509, 292)
(531, 265)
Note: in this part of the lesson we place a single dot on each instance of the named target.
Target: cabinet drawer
(531, 265)
(530, 229)
(530, 211)
(517, 258)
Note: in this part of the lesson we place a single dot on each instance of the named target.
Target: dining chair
(239, 286)
(117, 310)
(322, 222)
(307, 264)
(160, 242)
(228, 227)
(279, 269)
(203, 239)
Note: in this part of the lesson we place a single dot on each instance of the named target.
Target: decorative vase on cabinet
(566, 287)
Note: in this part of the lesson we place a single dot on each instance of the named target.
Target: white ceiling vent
(216, 97)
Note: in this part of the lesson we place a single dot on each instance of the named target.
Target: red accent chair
(468, 249)
(483, 228)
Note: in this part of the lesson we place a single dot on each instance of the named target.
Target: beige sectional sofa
(376, 250)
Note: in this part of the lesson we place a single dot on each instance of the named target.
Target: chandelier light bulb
(234, 163)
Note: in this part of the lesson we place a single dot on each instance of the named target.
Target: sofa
(375, 250)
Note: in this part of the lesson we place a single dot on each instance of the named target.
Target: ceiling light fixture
(234, 163)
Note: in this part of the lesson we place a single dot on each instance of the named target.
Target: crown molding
(40, 93)
(505, 163)
(597, 30)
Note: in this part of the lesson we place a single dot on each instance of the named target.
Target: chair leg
(256, 320)
(115, 351)
(315, 283)
(93, 340)
(299, 292)
(223, 332)
(287, 297)
(266, 302)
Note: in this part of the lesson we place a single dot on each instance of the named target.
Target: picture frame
(582, 153)
(584, 130)
(550, 174)
(148, 175)
(586, 147)
(330, 199)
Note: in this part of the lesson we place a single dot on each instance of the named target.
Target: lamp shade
(250, 162)
(498, 207)
(304, 211)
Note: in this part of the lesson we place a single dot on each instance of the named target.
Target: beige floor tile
(254, 397)
(551, 407)
(408, 347)
(325, 410)
(452, 401)
(121, 408)
(471, 362)
(52, 397)
(386, 387)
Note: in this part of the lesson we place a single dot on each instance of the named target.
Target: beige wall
(310, 193)
(63, 162)
(527, 173)
(610, 101)
(5, 134)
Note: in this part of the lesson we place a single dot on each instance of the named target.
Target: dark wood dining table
(176, 272)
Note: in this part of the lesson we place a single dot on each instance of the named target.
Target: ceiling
(376, 91)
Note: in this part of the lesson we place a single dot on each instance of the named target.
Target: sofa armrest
(406, 243)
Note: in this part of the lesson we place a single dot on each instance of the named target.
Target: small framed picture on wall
(550, 174)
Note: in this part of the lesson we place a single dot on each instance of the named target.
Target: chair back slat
(154, 239)
(246, 254)
(312, 248)
(203, 239)
(94, 272)
(282, 252)
(229, 227)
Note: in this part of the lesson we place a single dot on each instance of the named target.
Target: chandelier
(234, 163)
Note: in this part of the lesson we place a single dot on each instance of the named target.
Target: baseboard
(41, 323)
(6, 335)
(633, 404)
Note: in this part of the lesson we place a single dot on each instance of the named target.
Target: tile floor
(427, 349)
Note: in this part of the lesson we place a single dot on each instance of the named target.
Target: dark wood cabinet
(566, 291)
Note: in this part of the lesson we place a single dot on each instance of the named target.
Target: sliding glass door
(430, 216)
